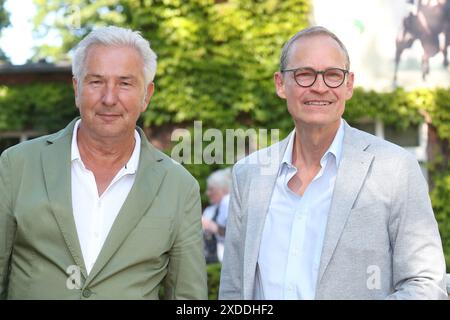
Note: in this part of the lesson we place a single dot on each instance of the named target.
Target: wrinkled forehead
(99, 51)
(113, 62)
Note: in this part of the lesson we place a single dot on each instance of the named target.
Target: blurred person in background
(214, 217)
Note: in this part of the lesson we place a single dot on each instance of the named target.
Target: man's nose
(110, 95)
(319, 85)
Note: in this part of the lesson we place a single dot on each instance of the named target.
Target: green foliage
(4, 22)
(4, 15)
(213, 271)
(37, 106)
(399, 108)
(217, 60)
(440, 112)
(440, 196)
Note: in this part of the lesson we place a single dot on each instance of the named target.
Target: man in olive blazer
(155, 238)
(95, 211)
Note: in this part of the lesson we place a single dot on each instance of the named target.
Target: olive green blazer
(155, 241)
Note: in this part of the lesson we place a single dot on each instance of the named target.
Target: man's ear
(148, 95)
(75, 90)
(279, 84)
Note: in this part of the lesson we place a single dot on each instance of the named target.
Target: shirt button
(87, 293)
(96, 234)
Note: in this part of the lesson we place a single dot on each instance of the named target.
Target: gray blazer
(382, 239)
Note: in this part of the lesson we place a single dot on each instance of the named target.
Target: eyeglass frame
(322, 72)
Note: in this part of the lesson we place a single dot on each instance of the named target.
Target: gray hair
(308, 32)
(220, 178)
(115, 37)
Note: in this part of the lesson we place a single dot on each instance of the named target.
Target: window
(406, 138)
(366, 126)
(414, 139)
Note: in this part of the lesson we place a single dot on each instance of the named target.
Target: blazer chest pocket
(155, 223)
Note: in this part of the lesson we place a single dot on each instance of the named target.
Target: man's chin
(316, 121)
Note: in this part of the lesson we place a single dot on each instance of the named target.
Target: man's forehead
(115, 61)
(302, 47)
(105, 75)
(322, 40)
(97, 53)
(106, 47)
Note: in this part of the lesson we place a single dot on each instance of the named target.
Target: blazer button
(87, 293)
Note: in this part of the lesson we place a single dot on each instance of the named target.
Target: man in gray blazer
(330, 212)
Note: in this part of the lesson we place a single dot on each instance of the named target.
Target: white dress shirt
(294, 229)
(94, 215)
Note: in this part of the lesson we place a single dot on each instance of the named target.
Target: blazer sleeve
(231, 273)
(7, 224)
(418, 259)
(186, 275)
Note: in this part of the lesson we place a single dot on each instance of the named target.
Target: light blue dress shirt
(292, 239)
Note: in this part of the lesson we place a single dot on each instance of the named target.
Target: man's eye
(95, 82)
(305, 74)
(125, 84)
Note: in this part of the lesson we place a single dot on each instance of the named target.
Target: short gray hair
(308, 32)
(112, 36)
(220, 178)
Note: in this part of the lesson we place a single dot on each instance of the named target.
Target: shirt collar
(132, 164)
(287, 157)
(334, 149)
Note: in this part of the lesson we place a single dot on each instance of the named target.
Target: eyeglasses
(306, 77)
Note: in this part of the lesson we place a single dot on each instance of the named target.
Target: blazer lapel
(149, 177)
(261, 186)
(352, 172)
(57, 175)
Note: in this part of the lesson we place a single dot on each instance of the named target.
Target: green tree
(4, 15)
(4, 22)
(72, 20)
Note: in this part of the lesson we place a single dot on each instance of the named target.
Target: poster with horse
(392, 43)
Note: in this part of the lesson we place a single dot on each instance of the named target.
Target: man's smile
(317, 102)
